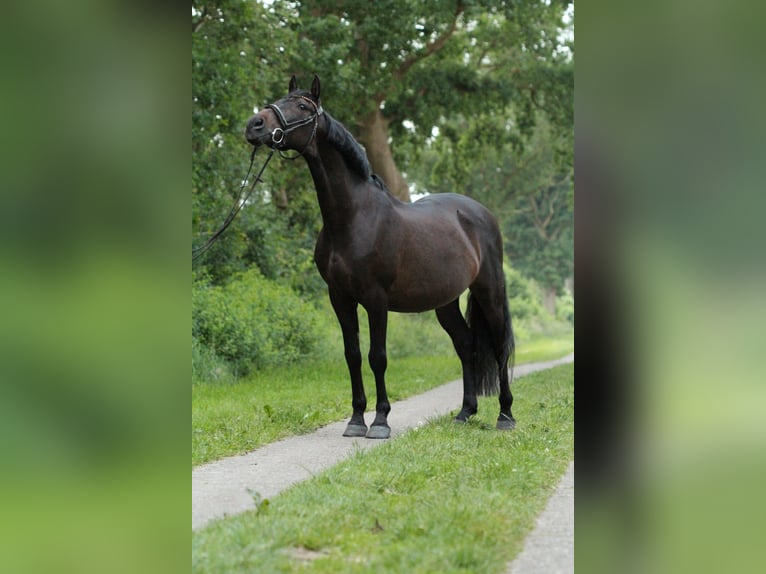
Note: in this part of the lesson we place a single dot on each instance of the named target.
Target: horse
(387, 255)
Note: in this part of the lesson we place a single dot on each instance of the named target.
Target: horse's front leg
(378, 317)
(345, 310)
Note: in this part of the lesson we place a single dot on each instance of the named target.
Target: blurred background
(669, 148)
(94, 306)
(94, 411)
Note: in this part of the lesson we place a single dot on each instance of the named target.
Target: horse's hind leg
(494, 305)
(505, 420)
(453, 322)
(504, 347)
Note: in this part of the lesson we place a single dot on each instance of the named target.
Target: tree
(539, 239)
(426, 62)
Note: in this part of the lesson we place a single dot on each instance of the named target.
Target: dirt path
(224, 487)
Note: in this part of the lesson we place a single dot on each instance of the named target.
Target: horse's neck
(339, 190)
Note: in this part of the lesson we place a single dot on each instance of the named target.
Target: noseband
(278, 135)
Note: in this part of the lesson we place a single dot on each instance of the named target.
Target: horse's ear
(293, 85)
(315, 88)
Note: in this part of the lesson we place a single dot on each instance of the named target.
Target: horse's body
(401, 248)
(387, 255)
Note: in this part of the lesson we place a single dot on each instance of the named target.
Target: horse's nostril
(256, 123)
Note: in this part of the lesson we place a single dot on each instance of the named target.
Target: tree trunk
(549, 300)
(374, 136)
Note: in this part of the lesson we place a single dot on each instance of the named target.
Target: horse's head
(288, 123)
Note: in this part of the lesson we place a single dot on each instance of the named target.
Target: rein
(277, 140)
(278, 135)
(241, 200)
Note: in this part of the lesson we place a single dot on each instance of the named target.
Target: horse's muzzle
(256, 132)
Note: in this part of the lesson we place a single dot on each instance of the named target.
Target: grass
(234, 418)
(545, 348)
(441, 498)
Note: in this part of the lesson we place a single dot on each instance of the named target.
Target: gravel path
(224, 487)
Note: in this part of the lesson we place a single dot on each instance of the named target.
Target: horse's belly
(429, 287)
(418, 304)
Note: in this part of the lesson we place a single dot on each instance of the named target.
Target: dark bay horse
(387, 255)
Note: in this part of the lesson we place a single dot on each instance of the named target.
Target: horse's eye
(302, 106)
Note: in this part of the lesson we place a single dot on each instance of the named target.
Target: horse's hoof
(379, 431)
(355, 430)
(505, 422)
(463, 416)
(460, 421)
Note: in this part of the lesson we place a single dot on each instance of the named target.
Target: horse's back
(473, 218)
(445, 202)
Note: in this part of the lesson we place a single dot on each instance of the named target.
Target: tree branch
(431, 47)
(201, 21)
(547, 220)
(536, 218)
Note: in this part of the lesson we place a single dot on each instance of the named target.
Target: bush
(525, 297)
(253, 322)
(565, 307)
(417, 335)
(207, 366)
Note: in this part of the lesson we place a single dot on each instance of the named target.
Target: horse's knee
(353, 359)
(378, 360)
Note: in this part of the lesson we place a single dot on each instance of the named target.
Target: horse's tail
(494, 351)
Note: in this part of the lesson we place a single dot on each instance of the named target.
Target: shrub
(524, 295)
(253, 322)
(417, 335)
(565, 307)
(207, 366)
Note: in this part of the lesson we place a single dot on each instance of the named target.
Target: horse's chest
(337, 271)
(356, 274)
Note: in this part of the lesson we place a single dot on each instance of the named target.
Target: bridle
(278, 135)
(277, 142)
(241, 201)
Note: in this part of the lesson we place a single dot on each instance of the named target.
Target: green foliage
(524, 298)
(253, 322)
(207, 366)
(540, 237)
(565, 307)
(412, 335)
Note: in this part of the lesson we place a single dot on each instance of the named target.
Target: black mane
(351, 150)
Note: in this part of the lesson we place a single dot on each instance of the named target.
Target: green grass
(545, 348)
(233, 418)
(441, 498)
